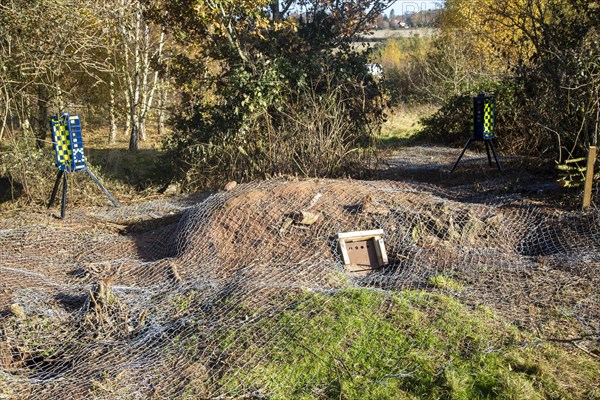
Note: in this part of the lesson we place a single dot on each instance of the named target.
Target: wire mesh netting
(204, 297)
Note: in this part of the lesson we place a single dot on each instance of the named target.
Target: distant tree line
(420, 19)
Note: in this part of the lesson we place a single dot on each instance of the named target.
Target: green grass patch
(401, 126)
(140, 169)
(368, 344)
(445, 283)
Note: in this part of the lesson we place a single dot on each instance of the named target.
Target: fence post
(589, 177)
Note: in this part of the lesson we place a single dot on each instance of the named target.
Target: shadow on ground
(522, 177)
(140, 169)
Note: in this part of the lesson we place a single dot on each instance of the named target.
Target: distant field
(388, 33)
(379, 36)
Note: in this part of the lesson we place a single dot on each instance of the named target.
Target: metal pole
(461, 155)
(102, 187)
(55, 190)
(487, 149)
(64, 196)
(495, 156)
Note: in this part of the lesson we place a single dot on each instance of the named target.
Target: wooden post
(589, 177)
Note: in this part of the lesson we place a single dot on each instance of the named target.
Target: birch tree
(140, 45)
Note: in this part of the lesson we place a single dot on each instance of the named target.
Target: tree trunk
(140, 81)
(113, 118)
(42, 117)
(161, 112)
(134, 137)
(142, 131)
(128, 115)
(6, 112)
(275, 10)
(133, 82)
(127, 126)
(144, 69)
(148, 89)
(135, 130)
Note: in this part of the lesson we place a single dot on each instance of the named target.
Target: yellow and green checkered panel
(488, 118)
(62, 144)
(483, 122)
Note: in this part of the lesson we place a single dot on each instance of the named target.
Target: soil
(509, 240)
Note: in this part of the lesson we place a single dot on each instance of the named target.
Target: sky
(401, 7)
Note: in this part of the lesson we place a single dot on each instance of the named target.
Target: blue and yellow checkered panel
(62, 144)
(68, 143)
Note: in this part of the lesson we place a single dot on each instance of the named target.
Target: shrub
(548, 88)
(451, 124)
(315, 115)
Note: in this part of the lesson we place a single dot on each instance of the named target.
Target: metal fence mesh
(177, 298)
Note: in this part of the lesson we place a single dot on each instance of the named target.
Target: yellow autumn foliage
(503, 32)
(397, 52)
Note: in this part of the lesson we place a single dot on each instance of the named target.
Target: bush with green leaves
(268, 124)
(451, 124)
(295, 100)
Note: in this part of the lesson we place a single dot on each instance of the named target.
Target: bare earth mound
(141, 302)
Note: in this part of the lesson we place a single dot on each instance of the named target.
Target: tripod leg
(102, 187)
(496, 156)
(64, 196)
(461, 155)
(55, 190)
(487, 149)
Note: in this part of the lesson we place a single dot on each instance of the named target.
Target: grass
(141, 171)
(6, 388)
(445, 283)
(27, 174)
(402, 124)
(363, 343)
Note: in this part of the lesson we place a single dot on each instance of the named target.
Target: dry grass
(28, 173)
(402, 124)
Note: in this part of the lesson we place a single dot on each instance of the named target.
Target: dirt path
(523, 178)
